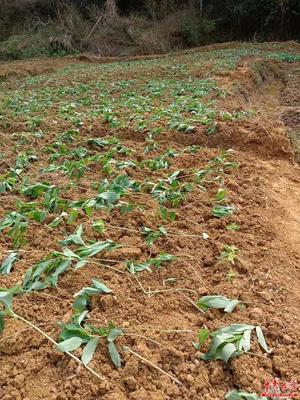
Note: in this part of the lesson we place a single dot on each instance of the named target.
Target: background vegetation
(31, 28)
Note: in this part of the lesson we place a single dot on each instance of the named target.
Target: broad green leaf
(203, 334)
(95, 248)
(6, 295)
(70, 344)
(7, 264)
(246, 340)
(114, 333)
(217, 302)
(222, 211)
(89, 350)
(231, 305)
(261, 339)
(73, 330)
(114, 354)
(99, 226)
(109, 197)
(2, 316)
(80, 264)
(240, 395)
(101, 286)
(228, 351)
(75, 238)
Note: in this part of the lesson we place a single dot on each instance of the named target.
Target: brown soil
(161, 327)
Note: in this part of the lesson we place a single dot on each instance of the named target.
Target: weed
(229, 253)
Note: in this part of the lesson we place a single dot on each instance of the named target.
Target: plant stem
(152, 365)
(16, 316)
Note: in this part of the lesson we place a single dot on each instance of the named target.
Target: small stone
(130, 383)
(287, 339)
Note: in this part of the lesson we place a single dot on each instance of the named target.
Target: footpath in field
(150, 226)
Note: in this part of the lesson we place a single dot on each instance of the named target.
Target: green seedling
(47, 271)
(156, 164)
(151, 236)
(35, 191)
(8, 263)
(95, 248)
(241, 395)
(229, 253)
(166, 214)
(157, 262)
(98, 226)
(203, 335)
(221, 195)
(221, 302)
(78, 333)
(7, 184)
(6, 299)
(233, 341)
(233, 227)
(75, 238)
(16, 224)
(222, 211)
(231, 275)
(82, 299)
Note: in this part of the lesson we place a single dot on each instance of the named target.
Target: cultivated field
(150, 225)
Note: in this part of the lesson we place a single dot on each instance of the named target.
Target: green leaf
(261, 339)
(114, 333)
(6, 295)
(2, 316)
(100, 286)
(114, 354)
(7, 264)
(231, 305)
(89, 350)
(70, 331)
(95, 248)
(55, 222)
(80, 264)
(233, 227)
(246, 340)
(109, 197)
(222, 211)
(240, 395)
(69, 345)
(217, 302)
(203, 334)
(228, 351)
(99, 226)
(75, 238)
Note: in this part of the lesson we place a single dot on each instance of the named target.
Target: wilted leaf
(89, 350)
(114, 354)
(217, 302)
(7, 264)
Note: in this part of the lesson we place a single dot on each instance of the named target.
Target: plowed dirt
(157, 310)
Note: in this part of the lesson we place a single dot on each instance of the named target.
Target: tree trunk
(201, 9)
